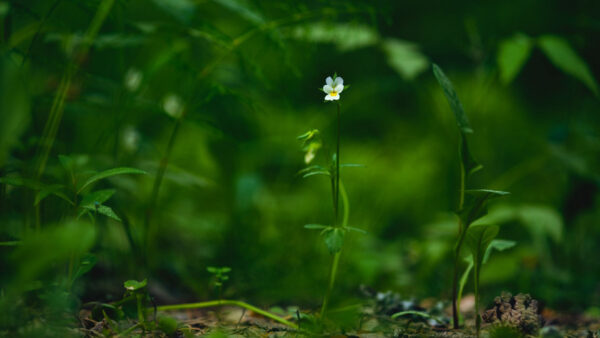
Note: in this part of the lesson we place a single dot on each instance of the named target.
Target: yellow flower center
(333, 93)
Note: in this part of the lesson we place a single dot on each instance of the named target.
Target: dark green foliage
(193, 108)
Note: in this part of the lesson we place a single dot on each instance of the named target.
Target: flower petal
(328, 97)
(339, 88)
(327, 88)
(334, 97)
(339, 80)
(329, 80)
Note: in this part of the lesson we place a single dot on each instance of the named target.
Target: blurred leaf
(244, 9)
(318, 172)
(23, 182)
(109, 173)
(566, 59)
(103, 210)
(86, 263)
(14, 106)
(512, 55)
(54, 189)
(334, 239)
(316, 226)
(182, 10)
(346, 37)
(453, 101)
(356, 230)
(99, 196)
(101, 41)
(475, 205)
(542, 221)
(405, 58)
(133, 285)
(4, 8)
(167, 325)
(54, 244)
(478, 239)
(497, 244)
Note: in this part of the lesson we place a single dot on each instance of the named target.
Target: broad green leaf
(103, 210)
(566, 59)
(109, 173)
(477, 240)
(99, 196)
(66, 162)
(334, 239)
(453, 101)
(133, 285)
(542, 221)
(475, 205)
(512, 55)
(168, 325)
(405, 58)
(469, 163)
(41, 251)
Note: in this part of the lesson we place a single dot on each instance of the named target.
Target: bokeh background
(239, 80)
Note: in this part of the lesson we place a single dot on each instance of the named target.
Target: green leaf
(182, 10)
(168, 325)
(334, 239)
(103, 210)
(497, 244)
(244, 9)
(86, 264)
(133, 285)
(475, 205)
(478, 239)
(453, 101)
(405, 58)
(66, 162)
(512, 55)
(566, 59)
(316, 226)
(318, 172)
(55, 189)
(415, 313)
(109, 173)
(356, 230)
(99, 196)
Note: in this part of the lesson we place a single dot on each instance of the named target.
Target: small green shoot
(220, 277)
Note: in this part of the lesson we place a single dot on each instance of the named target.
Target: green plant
(220, 277)
(333, 235)
(472, 204)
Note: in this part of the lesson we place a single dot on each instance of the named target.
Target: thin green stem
(160, 173)
(476, 280)
(140, 310)
(336, 203)
(461, 234)
(223, 302)
(332, 274)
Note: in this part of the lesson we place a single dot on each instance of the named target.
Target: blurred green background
(238, 80)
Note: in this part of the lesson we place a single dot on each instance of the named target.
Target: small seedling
(220, 277)
(472, 204)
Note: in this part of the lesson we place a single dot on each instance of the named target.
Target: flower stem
(222, 302)
(461, 236)
(336, 207)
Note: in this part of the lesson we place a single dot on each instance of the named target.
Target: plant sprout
(472, 204)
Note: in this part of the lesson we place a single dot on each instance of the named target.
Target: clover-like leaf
(133, 285)
(334, 239)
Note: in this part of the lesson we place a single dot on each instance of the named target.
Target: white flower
(333, 88)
